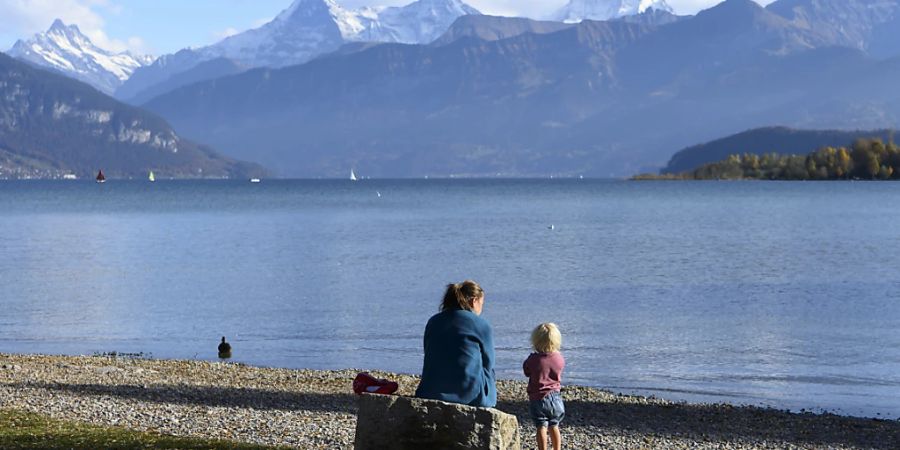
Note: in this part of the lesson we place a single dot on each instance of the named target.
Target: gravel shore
(316, 409)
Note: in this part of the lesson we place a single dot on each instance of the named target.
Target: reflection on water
(783, 294)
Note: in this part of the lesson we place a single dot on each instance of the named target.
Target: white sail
(352, 175)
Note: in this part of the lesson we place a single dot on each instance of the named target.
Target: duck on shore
(224, 349)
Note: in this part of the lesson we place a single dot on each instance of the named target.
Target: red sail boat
(100, 177)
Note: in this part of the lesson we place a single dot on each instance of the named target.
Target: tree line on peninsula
(866, 159)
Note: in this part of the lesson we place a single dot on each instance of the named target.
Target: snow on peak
(437, 6)
(308, 28)
(60, 26)
(420, 22)
(64, 48)
(416, 23)
(301, 9)
(578, 10)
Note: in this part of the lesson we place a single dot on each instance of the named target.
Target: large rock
(407, 423)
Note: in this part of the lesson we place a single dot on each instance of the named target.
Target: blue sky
(165, 26)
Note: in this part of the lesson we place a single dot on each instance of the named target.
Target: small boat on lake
(352, 175)
(100, 177)
(151, 177)
(255, 180)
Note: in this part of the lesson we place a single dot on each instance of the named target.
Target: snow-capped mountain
(67, 50)
(309, 28)
(577, 10)
(417, 23)
(306, 29)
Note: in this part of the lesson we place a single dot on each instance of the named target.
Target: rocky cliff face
(868, 25)
(51, 125)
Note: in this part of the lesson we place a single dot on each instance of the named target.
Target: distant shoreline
(669, 177)
(317, 408)
(866, 159)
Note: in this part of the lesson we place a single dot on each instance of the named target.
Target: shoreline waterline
(313, 408)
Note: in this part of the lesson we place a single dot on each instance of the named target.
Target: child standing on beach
(544, 371)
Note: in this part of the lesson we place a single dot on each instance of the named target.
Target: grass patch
(24, 430)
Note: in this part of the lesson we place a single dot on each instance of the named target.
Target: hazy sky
(165, 26)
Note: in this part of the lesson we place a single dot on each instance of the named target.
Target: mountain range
(51, 125)
(303, 31)
(65, 49)
(521, 97)
(604, 98)
(306, 29)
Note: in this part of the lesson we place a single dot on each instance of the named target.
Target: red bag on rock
(367, 383)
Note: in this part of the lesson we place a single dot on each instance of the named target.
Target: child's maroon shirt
(544, 372)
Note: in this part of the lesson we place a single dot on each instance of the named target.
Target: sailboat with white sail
(152, 177)
(352, 175)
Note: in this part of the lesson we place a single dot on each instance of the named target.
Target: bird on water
(224, 349)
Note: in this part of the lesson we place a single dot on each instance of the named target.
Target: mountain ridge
(65, 49)
(519, 96)
(51, 125)
(600, 98)
(868, 25)
(493, 28)
(305, 30)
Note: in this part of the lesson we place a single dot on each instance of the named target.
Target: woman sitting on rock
(459, 350)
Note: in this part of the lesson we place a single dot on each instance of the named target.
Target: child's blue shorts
(549, 410)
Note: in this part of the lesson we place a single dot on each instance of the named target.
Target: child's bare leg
(555, 438)
(542, 438)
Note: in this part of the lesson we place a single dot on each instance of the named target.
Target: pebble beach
(317, 409)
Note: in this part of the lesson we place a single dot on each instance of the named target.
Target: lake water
(768, 293)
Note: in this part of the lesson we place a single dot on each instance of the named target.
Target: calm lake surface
(769, 293)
